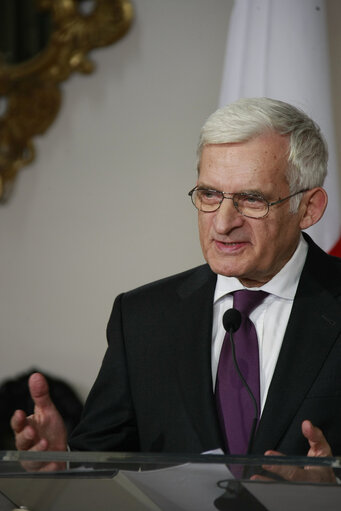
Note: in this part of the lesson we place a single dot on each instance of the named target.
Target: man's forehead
(265, 173)
(270, 148)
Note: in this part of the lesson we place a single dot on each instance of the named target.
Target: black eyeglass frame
(224, 195)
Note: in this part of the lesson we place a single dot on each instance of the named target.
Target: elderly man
(165, 383)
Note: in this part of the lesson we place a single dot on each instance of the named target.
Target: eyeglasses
(252, 205)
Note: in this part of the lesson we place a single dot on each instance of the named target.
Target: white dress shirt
(270, 317)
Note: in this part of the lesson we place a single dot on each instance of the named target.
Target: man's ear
(313, 206)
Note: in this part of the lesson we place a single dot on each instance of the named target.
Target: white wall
(334, 23)
(104, 206)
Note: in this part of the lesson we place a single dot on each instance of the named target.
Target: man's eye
(251, 200)
(210, 195)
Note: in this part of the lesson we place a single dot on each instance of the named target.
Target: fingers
(42, 466)
(287, 472)
(26, 439)
(39, 390)
(319, 447)
(317, 441)
(25, 432)
(294, 473)
(18, 421)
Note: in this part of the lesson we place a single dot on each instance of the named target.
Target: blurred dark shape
(24, 30)
(14, 395)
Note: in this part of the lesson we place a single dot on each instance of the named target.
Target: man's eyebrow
(203, 185)
(255, 192)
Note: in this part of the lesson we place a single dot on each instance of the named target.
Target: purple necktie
(235, 407)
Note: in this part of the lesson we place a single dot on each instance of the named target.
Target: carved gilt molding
(30, 92)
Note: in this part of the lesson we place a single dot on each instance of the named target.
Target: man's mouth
(230, 245)
(231, 242)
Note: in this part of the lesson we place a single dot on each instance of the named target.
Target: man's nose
(227, 217)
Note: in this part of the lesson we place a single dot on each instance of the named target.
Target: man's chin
(244, 278)
(226, 271)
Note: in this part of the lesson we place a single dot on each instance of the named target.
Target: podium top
(12, 458)
(166, 482)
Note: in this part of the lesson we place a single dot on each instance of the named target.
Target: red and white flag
(279, 49)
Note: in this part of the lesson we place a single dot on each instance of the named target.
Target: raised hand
(44, 430)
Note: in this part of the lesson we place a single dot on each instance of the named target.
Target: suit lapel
(314, 325)
(194, 356)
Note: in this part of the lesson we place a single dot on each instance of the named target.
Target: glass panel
(128, 481)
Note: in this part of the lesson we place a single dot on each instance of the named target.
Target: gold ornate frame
(31, 91)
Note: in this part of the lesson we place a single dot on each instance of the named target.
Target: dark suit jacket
(154, 391)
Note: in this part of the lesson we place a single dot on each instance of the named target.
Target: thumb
(39, 390)
(317, 441)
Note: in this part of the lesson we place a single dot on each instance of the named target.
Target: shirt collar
(283, 284)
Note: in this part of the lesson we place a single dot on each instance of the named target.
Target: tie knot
(246, 301)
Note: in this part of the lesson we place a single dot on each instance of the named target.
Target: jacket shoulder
(186, 281)
(322, 267)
